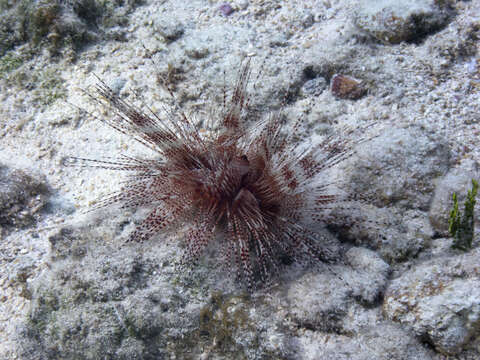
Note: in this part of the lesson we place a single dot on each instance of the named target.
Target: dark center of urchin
(227, 185)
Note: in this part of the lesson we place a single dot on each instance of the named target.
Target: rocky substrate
(71, 288)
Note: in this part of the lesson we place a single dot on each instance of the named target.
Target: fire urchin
(254, 186)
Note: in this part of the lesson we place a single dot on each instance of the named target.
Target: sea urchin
(252, 186)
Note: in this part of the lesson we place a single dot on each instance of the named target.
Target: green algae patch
(461, 226)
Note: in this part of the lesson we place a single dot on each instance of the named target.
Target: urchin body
(252, 185)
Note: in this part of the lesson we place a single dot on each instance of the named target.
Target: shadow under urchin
(252, 185)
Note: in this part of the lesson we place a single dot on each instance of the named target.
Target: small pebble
(226, 9)
(472, 66)
(243, 4)
(118, 84)
(314, 86)
(345, 87)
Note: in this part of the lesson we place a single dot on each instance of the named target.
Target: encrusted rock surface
(440, 301)
(22, 197)
(70, 288)
(394, 21)
(404, 171)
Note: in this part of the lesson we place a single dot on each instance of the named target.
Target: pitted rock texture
(440, 301)
(22, 196)
(394, 21)
(399, 167)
